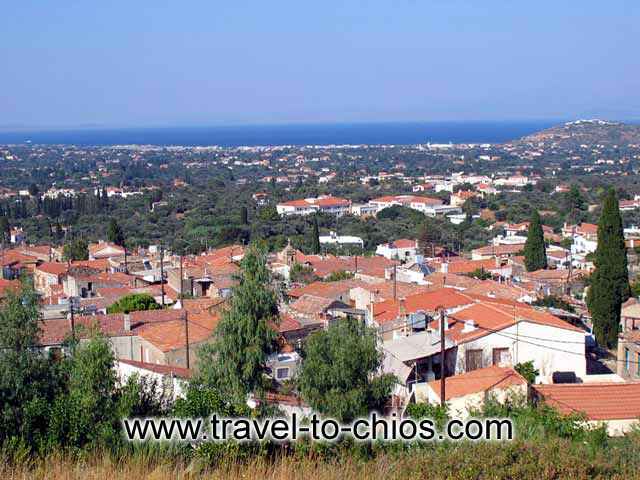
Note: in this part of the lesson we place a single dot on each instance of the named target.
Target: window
(501, 357)
(626, 359)
(282, 373)
(473, 359)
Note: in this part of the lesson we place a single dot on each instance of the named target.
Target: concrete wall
(168, 384)
(551, 349)
(460, 407)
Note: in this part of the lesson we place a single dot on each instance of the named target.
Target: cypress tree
(535, 252)
(115, 233)
(610, 280)
(5, 229)
(244, 216)
(315, 245)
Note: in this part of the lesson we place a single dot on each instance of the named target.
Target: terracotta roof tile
(598, 401)
(53, 268)
(479, 381)
(325, 289)
(388, 310)
(311, 305)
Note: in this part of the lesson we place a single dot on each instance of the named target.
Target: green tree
(535, 252)
(76, 250)
(300, 273)
(115, 233)
(315, 239)
(28, 380)
(235, 362)
(5, 230)
(134, 303)
(610, 279)
(86, 415)
(244, 216)
(338, 376)
(33, 190)
(527, 370)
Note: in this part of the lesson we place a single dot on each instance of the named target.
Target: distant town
(480, 271)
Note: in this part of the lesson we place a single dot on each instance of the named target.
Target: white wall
(551, 349)
(175, 384)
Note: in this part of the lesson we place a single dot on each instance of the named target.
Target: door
(473, 359)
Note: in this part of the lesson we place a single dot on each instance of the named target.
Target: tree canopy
(338, 374)
(115, 233)
(235, 362)
(77, 249)
(535, 252)
(610, 279)
(133, 303)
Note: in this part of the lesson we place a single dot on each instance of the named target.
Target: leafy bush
(527, 370)
(134, 303)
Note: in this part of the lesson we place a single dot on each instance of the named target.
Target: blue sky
(213, 62)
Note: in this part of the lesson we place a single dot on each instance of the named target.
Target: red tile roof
(407, 200)
(311, 305)
(468, 266)
(54, 332)
(404, 243)
(53, 268)
(388, 310)
(288, 323)
(171, 335)
(98, 264)
(490, 316)
(7, 285)
(325, 289)
(598, 401)
(479, 381)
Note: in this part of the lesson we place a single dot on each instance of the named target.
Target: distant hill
(587, 132)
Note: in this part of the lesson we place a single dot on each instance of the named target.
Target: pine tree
(235, 362)
(535, 252)
(610, 280)
(315, 240)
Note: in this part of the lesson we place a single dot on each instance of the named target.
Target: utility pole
(395, 286)
(72, 301)
(181, 282)
(186, 337)
(442, 366)
(184, 315)
(162, 273)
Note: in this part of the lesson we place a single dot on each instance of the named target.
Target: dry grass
(552, 460)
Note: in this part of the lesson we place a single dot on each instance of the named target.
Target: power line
(518, 339)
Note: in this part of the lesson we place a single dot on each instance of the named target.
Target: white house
(402, 249)
(323, 204)
(334, 239)
(169, 379)
(469, 391)
(488, 332)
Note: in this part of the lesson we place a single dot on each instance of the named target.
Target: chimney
(469, 326)
(127, 322)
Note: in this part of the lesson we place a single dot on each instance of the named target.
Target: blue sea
(298, 134)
